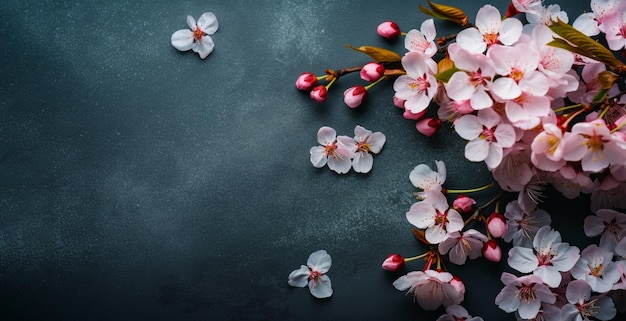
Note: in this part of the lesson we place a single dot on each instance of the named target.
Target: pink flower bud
(411, 116)
(388, 29)
(463, 203)
(306, 81)
(496, 224)
(393, 262)
(428, 126)
(372, 71)
(492, 251)
(319, 93)
(398, 102)
(458, 285)
(354, 96)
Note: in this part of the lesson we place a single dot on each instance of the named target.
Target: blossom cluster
(341, 153)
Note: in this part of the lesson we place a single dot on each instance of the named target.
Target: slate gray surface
(141, 183)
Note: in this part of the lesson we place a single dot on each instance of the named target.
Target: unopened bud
(388, 29)
(306, 81)
(428, 126)
(319, 93)
(353, 96)
(492, 251)
(393, 262)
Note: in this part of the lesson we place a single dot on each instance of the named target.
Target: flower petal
(322, 288)
(182, 39)
(208, 23)
(204, 47)
(362, 162)
(298, 278)
(326, 135)
(319, 261)
(191, 22)
(318, 157)
(477, 150)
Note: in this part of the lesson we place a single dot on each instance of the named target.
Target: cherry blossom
(608, 192)
(516, 169)
(456, 313)
(197, 39)
(430, 288)
(459, 246)
(335, 151)
(592, 23)
(547, 148)
(422, 41)
(353, 96)
(547, 258)
(591, 143)
(473, 80)
(608, 223)
(581, 306)
(522, 226)
(366, 142)
(545, 15)
(496, 225)
(419, 85)
(428, 180)
(314, 274)
(433, 215)
(523, 294)
(596, 266)
(615, 30)
(518, 64)
(490, 30)
(487, 136)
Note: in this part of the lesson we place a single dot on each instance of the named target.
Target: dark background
(142, 183)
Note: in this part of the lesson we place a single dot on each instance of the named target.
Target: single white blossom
(197, 39)
(314, 274)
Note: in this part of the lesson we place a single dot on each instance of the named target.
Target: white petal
(340, 165)
(191, 23)
(319, 261)
(326, 135)
(510, 31)
(377, 141)
(318, 157)
(477, 150)
(494, 158)
(522, 259)
(421, 214)
(299, 278)
(471, 40)
(506, 88)
(362, 162)
(182, 39)
(550, 276)
(208, 23)
(468, 127)
(322, 288)
(204, 47)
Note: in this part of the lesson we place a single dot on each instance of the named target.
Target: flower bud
(354, 96)
(398, 102)
(496, 224)
(428, 126)
(463, 203)
(306, 81)
(492, 251)
(319, 93)
(458, 285)
(411, 116)
(388, 29)
(372, 71)
(393, 263)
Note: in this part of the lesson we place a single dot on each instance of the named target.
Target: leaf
(585, 45)
(607, 79)
(394, 72)
(378, 54)
(446, 75)
(445, 12)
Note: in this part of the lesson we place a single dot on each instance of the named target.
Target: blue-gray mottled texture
(142, 183)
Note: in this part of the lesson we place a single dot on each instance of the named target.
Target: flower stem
(374, 83)
(409, 259)
(558, 110)
(461, 191)
(481, 208)
(331, 83)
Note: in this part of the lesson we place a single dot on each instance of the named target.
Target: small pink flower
(393, 263)
(434, 216)
(422, 41)
(496, 224)
(608, 223)
(314, 274)
(353, 96)
(388, 29)
(335, 151)
(490, 30)
(492, 251)
(306, 81)
(523, 294)
(319, 93)
(581, 306)
(428, 126)
(461, 246)
(372, 71)
(463, 203)
(419, 85)
(430, 288)
(198, 38)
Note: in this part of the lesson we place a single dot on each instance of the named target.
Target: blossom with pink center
(592, 144)
(428, 180)
(518, 66)
(522, 226)
(615, 30)
(367, 143)
(419, 85)
(523, 294)
(460, 246)
(457, 313)
(430, 288)
(547, 258)
(608, 223)
(545, 15)
(581, 306)
(515, 170)
(422, 41)
(335, 151)
(570, 182)
(526, 110)
(547, 148)
(197, 39)
(487, 136)
(314, 274)
(596, 266)
(592, 23)
(490, 30)
(434, 215)
(473, 80)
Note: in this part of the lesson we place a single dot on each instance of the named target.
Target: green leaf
(446, 75)
(378, 54)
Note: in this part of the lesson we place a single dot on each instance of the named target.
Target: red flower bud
(393, 262)
(388, 29)
(398, 102)
(428, 126)
(319, 93)
(492, 251)
(496, 224)
(372, 71)
(463, 203)
(354, 96)
(306, 81)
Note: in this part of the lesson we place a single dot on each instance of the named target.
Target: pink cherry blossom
(526, 110)
(608, 223)
(457, 313)
(522, 226)
(544, 15)
(515, 170)
(487, 136)
(490, 30)
(608, 192)
(428, 180)
(460, 246)
(367, 143)
(518, 64)
(314, 274)
(596, 266)
(547, 149)
(473, 80)
(319, 93)
(523, 294)
(463, 203)
(422, 41)
(547, 258)
(527, 5)
(197, 39)
(419, 85)
(592, 23)
(430, 288)
(335, 151)
(434, 215)
(570, 182)
(592, 143)
(615, 30)
(581, 306)
(388, 29)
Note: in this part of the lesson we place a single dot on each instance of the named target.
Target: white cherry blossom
(422, 41)
(430, 288)
(473, 80)
(314, 275)
(197, 39)
(608, 223)
(419, 85)
(367, 141)
(581, 306)
(490, 30)
(460, 246)
(428, 180)
(434, 215)
(596, 266)
(522, 226)
(335, 151)
(523, 294)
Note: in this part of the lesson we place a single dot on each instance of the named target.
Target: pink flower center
(420, 45)
(476, 78)
(331, 151)
(420, 84)
(613, 230)
(441, 218)
(596, 271)
(595, 143)
(315, 276)
(588, 309)
(488, 134)
(526, 293)
(198, 34)
(544, 258)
